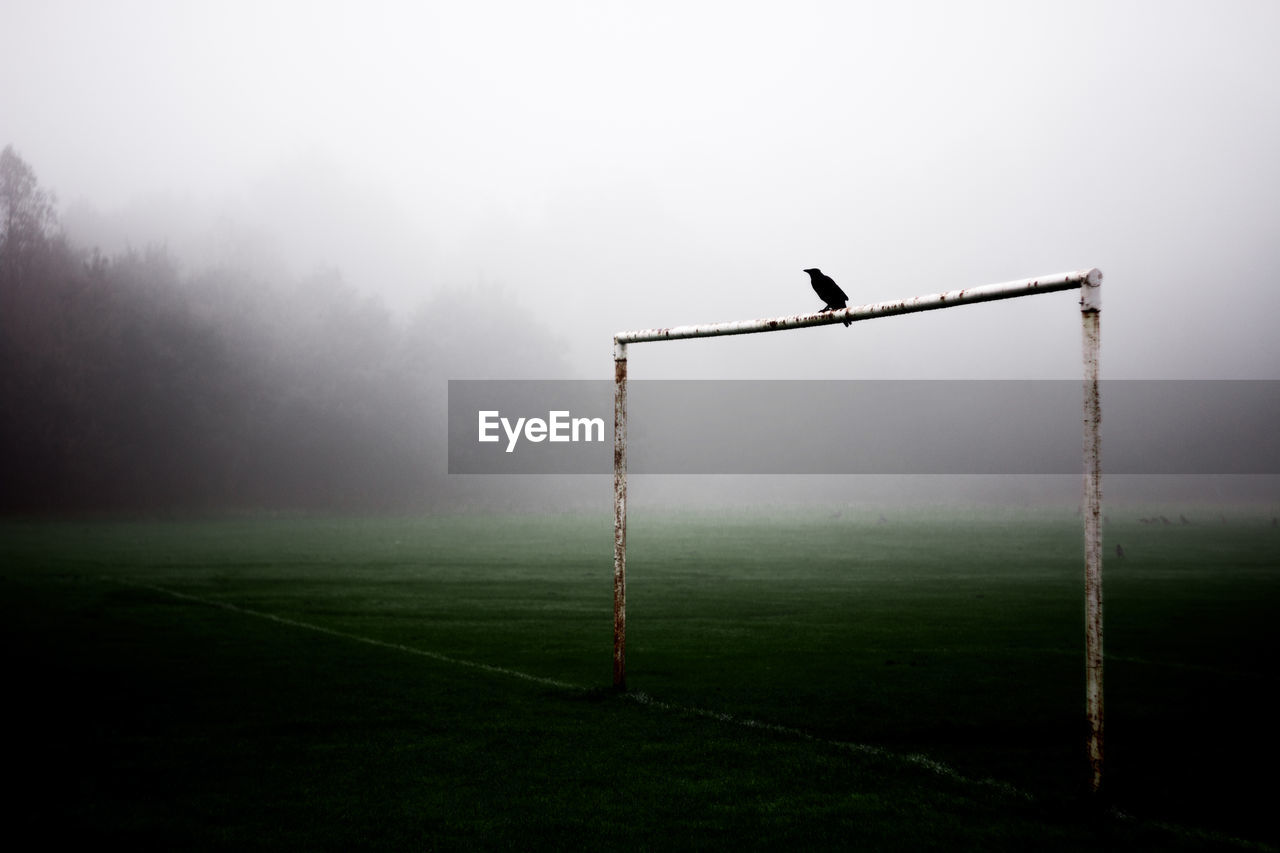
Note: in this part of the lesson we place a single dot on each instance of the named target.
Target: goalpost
(1089, 282)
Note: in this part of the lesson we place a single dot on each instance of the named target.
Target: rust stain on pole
(1091, 310)
(620, 516)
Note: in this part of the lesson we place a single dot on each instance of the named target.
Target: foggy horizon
(611, 168)
(491, 191)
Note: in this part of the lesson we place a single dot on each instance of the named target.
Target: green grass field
(795, 682)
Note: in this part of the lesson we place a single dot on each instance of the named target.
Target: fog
(498, 188)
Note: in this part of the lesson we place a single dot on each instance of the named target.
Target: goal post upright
(1090, 315)
(619, 515)
(1087, 281)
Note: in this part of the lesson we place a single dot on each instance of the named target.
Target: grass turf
(140, 715)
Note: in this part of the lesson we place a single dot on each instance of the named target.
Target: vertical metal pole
(1091, 310)
(619, 516)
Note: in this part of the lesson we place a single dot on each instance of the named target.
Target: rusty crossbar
(1087, 281)
(949, 299)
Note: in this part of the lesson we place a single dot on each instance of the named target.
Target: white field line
(284, 620)
(910, 759)
(913, 759)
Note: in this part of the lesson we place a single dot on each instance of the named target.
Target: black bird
(828, 291)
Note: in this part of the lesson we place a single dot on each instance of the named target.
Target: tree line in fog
(132, 384)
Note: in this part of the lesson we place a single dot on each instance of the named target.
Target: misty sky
(604, 166)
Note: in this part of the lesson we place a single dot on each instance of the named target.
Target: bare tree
(27, 217)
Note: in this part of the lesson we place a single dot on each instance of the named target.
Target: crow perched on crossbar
(828, 291)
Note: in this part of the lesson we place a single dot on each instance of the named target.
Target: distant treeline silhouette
(128, 384)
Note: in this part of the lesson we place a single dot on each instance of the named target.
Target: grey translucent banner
(863, 427)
